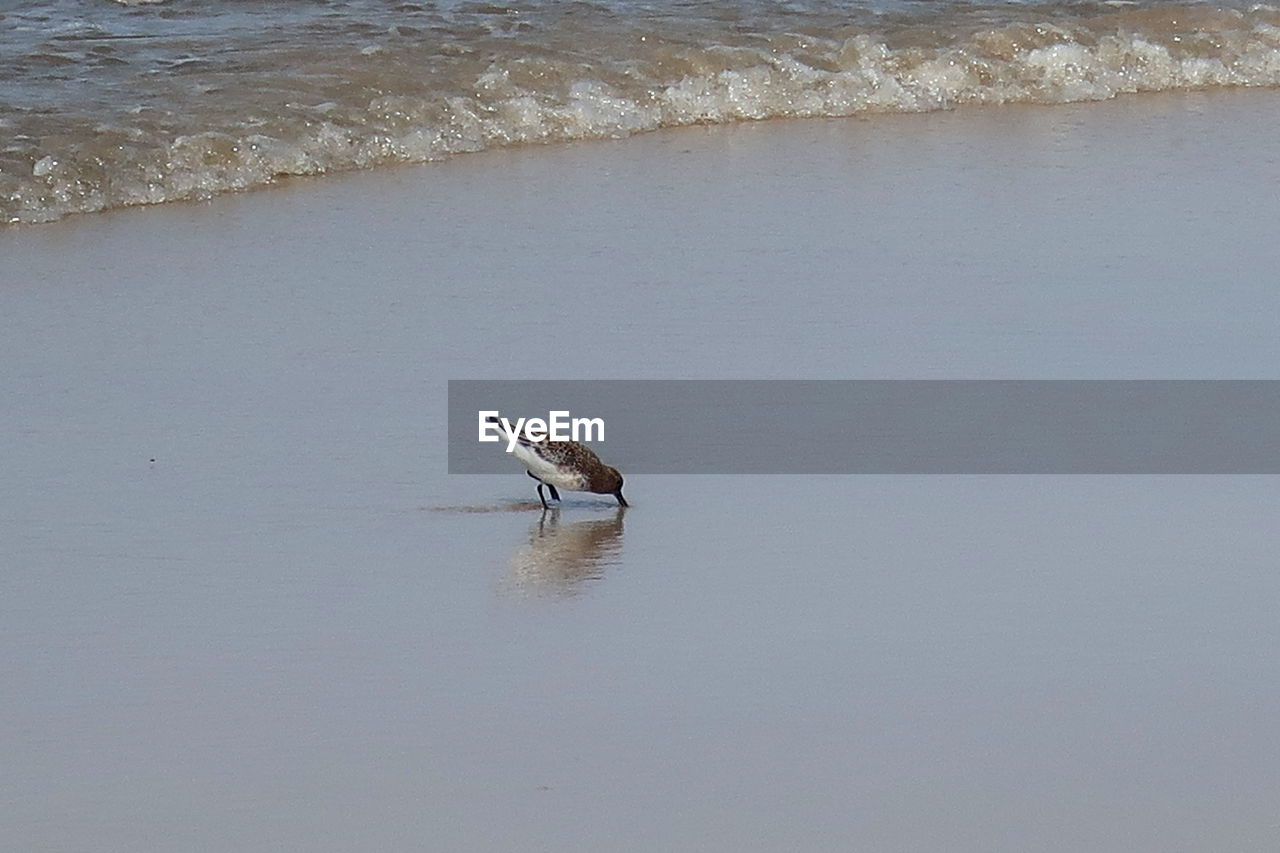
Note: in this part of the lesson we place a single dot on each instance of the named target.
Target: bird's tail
(509, 434)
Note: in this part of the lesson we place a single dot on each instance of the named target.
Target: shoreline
(1141, 101)
(1038, 217)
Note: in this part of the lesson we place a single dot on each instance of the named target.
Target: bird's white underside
(548, 472)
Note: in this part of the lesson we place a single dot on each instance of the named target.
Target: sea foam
(172, 117)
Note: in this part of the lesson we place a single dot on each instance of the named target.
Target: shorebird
(568, 465)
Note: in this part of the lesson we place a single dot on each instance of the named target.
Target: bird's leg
(554, 494)
(539, 488)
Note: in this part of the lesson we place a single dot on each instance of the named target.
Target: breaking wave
(141, 109)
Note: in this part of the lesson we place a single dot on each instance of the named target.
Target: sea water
(107, 104)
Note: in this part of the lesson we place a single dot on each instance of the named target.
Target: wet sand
(293, 631)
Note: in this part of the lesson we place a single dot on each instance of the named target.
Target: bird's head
(613, 485)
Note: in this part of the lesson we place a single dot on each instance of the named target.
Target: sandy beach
(246, 609)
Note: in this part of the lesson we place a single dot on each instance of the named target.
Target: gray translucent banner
(891, 426)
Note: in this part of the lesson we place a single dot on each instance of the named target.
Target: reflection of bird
(559, 557)
(565, 464)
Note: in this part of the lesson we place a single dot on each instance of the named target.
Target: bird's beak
(621, 500)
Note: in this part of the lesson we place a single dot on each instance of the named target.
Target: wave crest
(415, 100)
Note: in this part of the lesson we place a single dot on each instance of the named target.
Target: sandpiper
(568, 465)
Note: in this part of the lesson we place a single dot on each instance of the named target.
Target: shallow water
(293, 630)
(980, 663)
